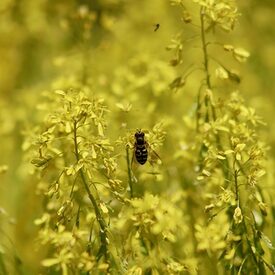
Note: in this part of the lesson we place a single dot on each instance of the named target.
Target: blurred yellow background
(46, 45)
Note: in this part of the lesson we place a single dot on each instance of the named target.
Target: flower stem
(206, 64)
(209, 86)
(103, 227)
(129, 171)
(236, 184)
(204, 48)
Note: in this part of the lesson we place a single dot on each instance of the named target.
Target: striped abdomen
(141, 154)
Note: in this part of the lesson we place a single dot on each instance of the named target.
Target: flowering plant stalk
(231, 157)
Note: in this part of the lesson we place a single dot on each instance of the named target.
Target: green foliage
(202, 203)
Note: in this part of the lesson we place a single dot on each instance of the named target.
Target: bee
(142, 149)
(156, 27)
(141, 152)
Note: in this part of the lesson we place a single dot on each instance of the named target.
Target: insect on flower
(141, 152)
(141, 147)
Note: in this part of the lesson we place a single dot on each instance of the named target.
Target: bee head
(139, 135)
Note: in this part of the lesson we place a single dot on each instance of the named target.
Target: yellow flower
(238, 216)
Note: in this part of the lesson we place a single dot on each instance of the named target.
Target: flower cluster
(77, 172)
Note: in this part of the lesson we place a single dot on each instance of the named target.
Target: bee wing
(134, 162)
(133, 159)
(154, 158)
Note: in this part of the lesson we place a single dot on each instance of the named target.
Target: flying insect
(156, 27)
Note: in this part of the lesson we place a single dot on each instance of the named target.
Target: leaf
(221, 73)
(238, 216)
(239, 272)
(199, 178)
(177, 83)
(234, 76)
(60, 92)
(240, 147)
(85, 154)
(228, 48)
(230, 254)
(174, 62)
(238, 156)
(227, 152)
(94, 155)
(186, 17)
(103, 266)
(100, 129)
(70, 170)
(206, 173)
(261, 173)
(124, 107)
(38, 162)
(104, 208)
(50, 262)
(209, 207)
(241, 54)
(78, 166)
(45, 218)
(263, 208)
(267, 241)
(68, 127)
(221, 157)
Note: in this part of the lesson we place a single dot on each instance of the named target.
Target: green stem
(206, 66)
(209, 86)
(205, 63)
(192, 221)
(129, 171)
(237, 197)
(198, 115)
(204, 48)
(99, 217)
(249, 243)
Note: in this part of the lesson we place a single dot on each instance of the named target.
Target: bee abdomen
(141, 155)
